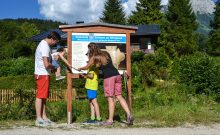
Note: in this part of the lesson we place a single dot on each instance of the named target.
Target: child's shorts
(55, 64)
(91, 94)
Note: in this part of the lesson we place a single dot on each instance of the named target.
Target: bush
(137, 56)
(200, 71)
(17, 82)
(148, 70)
(19, 66)
(155, 66)
(136, 77)
(24, 109)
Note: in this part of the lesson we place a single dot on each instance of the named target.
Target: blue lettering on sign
(101, 39)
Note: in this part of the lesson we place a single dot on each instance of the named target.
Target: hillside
(42, 25)
(204, 22)
(204, 12)
(14, 35)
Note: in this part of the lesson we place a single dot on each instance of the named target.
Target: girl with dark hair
(112, 82)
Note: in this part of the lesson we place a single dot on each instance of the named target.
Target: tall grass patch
(172, 105)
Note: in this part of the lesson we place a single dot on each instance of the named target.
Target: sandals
(130, 120)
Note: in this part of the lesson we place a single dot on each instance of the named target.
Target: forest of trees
(178, 29)
(179, 34)
(14, 34)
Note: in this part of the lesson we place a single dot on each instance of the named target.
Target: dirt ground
(80, 129)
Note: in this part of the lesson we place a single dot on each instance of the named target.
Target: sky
(68, 11)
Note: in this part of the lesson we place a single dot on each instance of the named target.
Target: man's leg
(41, 95)
(39, 110)
(44, 109)
(38, 106)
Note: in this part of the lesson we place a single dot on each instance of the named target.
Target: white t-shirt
(43, 50)
(54, 55)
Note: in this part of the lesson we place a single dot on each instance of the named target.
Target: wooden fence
(12, 96)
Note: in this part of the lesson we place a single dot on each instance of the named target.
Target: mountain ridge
(203, 10)
(203, 6)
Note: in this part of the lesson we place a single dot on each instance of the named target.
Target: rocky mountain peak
(203, 6)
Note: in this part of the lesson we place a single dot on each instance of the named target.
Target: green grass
(172, 106)
(179, 114)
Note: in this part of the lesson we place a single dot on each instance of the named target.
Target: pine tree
(180, 36)
(113, 12)
(215, 24)
(214, 37)
(147, 12)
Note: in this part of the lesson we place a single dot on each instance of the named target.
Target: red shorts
(42, 86)
(112, 86)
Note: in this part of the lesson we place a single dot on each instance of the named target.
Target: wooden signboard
(109, 37)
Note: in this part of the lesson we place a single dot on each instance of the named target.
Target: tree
(113, 12)
(8, 34)
(15, 32)
(214, 37)
(23, 47)
(147, 12)
(179, 37)
(13, 39)
(215, 24)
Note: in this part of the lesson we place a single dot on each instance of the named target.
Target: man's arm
(47, 64)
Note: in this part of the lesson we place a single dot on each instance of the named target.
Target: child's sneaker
(99, 120)
(41, 123)
(60, 77)
(91, 121)
(49, 122)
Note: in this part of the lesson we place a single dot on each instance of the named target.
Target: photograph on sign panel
(117, 53)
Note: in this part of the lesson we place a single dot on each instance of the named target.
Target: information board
(80, 43)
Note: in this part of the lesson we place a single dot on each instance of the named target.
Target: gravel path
(77, 129)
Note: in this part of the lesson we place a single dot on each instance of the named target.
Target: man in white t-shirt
(43, 67)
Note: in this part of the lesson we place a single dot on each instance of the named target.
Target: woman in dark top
(112, 82)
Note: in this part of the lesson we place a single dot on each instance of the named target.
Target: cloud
(129, 6)
(70, 11)
(164, 2)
